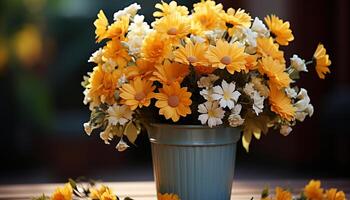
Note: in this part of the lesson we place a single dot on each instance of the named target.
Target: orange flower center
(139, 96)
(172, 31)
(192, 59)
(173, 101)
(226, 60)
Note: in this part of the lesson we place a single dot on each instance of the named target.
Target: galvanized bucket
(196, 162)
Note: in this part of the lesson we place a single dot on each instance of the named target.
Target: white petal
(203, 118)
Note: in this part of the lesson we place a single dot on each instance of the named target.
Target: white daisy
(235, 119)
(259, 27)
(137, 32)
(119, 114)
(211, 113)
(207, 94)
(226, 94)
(207, 81)
(298, 63)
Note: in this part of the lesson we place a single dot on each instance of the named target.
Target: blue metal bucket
(194, 162)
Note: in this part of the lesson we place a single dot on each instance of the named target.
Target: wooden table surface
(242, 189)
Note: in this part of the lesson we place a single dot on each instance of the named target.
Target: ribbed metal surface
(194, 172)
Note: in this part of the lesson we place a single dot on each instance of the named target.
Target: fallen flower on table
(312, 191)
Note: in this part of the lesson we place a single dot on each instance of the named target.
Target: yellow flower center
(226, 60)
(211, 113)
(192, 59)
(173, 101)
(172, 31)
(140, 96)
(227, 95)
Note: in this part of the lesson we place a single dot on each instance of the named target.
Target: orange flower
(143, 68)
(116, 52)
(275, 71)
(313, 190)
(229, 56)
(282, 194)
(279, 29)
(137, 93)
(208, 15)
(155, 48)
(281, 104)
(333, 194)
(101, 24)
(167, 196)
(192, 54)
(173, 101)
(174, 26)
(266, 47)
(322, 61)
(170, 72)
(103, 86)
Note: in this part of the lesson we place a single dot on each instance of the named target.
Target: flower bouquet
(209, 68)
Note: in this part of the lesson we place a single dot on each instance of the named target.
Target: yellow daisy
(167, 196)
(333, 194)
(279, 29)
(155, 48)
(174, 26)
(282, 194)
(237, 18)
(209, 15)
(266, 47)
(137, 93)
(322, 61)
(229, 56)
(168, 9)
(63, 193)
(173, 101)
(115, 51)
(281, 104)
(170, 72)
(103, 85)
(118, 29)
(192, 54)
(143, 69)
(313, 190)
(101, 24)
(275, 71)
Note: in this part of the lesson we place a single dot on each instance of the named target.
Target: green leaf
(131, 132)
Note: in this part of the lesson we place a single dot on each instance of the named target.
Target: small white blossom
(87, 98)
(211, 113)
(226, 94)
(214, 34)
(197, 39)
(258, 100)
(109, 65)
(207, 81)
(128, 11)
(291, 93)
(88, 128)
(119, 114)
(96, 57)
(106, 135)
(285, 130)
(122, 80)
(235, 119)
(303, 106)
(122, 145)
(138, 30)
(298, 63)
(259, 27)
(207, 94)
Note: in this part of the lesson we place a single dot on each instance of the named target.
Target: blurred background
(44, 48)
